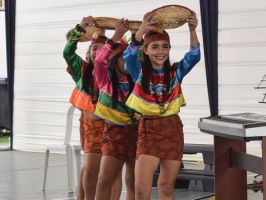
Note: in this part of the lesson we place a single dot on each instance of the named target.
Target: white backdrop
(42, 87)
(3, 65)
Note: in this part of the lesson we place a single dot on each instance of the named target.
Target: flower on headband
(156, 30)
(95, 35)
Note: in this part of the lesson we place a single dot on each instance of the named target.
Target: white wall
(42, 87)
(3, 64)
(242, 56)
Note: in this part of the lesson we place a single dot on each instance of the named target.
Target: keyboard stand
(231, 165)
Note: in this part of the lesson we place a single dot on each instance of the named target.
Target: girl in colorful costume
(120, 133)
(84, 97)
(157, 96)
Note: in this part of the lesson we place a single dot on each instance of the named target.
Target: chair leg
(76, 165)
(45, 169)
(70, 174)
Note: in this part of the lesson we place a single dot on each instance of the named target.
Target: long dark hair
(147, 70)
(87, 77)
(114, 78)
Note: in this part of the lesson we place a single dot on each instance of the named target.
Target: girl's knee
(130, 180)
(141, 192)
(166, 187)
(105, 180)
(107, 177)
(89, 172)
(130, 185)
(142, 189)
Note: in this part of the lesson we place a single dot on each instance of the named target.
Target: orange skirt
(161, 137)
(119, 141)
(81, 101)
(91, 135)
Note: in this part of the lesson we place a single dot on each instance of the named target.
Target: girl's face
(158, 52)
(91, 53)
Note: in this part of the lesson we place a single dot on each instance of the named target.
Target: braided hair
(87, 77)
(114, 79)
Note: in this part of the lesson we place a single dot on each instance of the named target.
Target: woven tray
(84, 37)
(170, 16)
(110, 23)
(90, 30)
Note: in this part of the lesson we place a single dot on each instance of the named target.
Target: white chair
(72, 155)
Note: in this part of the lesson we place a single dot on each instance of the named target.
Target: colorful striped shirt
(81, 98)
(154, 103)
(121, 114)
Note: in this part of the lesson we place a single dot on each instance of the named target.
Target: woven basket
(109, 23)
(90, 30)
(170, 16)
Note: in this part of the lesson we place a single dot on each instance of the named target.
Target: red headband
(155, 37)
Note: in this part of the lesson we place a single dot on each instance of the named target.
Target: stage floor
(21, 176)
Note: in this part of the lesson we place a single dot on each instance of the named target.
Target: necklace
(159, 99)
(123, 98)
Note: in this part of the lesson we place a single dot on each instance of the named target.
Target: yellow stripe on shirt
(146, 108)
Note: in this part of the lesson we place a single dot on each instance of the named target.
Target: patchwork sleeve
(73, 60)
(100, 71)
(188, 62)
(132, 63)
